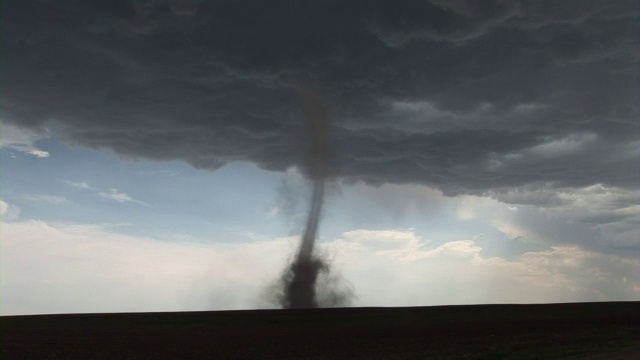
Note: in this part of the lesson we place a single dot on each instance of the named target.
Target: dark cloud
(467, 96)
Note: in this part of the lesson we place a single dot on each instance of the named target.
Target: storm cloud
(470, 97)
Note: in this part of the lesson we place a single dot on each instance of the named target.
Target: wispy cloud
(83, 185)
(112, 194)
(115, 195)
(9, 211)
(22, 139)
(50, 199)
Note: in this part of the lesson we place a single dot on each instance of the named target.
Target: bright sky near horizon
(153, 152)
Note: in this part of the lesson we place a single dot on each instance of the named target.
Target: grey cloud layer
(467, 96)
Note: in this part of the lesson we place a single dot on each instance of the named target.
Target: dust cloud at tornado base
(307, 281)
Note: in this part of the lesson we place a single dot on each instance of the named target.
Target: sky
(155, 156)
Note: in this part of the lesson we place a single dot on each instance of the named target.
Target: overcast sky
(154, 154)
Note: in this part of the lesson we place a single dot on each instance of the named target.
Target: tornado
(301, 276)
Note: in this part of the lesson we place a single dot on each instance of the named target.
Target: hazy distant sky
(154, 152)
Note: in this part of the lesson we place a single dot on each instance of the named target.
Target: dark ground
(554, 331)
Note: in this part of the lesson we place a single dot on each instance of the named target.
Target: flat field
(606, 330)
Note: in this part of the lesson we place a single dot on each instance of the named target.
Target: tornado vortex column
(301, 278)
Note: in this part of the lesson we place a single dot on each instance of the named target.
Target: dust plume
(301, 277)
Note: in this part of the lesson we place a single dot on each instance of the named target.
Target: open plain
(549, 331)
